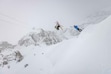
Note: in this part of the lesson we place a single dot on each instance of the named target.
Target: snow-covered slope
(90, 54)
(85, 53)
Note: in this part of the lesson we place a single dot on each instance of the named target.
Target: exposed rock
(38, 38)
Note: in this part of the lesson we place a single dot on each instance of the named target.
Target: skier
(58, 26)
(77, 28)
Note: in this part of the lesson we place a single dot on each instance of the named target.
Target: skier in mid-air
(77, 28)
(58, 26)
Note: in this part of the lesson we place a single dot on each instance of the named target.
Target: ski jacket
(76, 27)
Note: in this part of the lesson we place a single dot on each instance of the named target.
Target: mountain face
(39, 37)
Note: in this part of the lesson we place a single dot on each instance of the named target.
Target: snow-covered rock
(8, 56)
(40, 37)
(5, 45)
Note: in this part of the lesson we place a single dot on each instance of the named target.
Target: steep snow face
(90, 54)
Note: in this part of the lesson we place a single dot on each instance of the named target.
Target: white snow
(65, 51)
(89, 53)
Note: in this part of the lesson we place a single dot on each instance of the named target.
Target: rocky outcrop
(40, 37)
